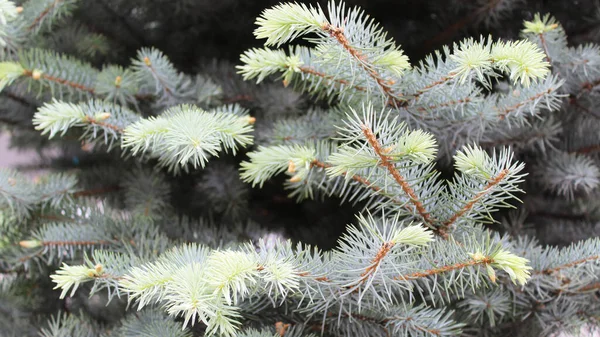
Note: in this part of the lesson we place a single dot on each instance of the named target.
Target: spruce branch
(186, 135)
(385, 162)
(40, 14)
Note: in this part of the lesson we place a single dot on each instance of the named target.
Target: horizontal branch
(550, 271)
(94, 121)
(428, 87)
(505, 111)
(314, 72)
(73, 243)
(96, 191)
(588, 149)
(62, 81)
(445, 269)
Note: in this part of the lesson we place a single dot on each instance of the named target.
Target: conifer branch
(545, 47)
(551, 271)
(314, 72)
(430, 86)
(372, 140)
(505, 111)
(590, 287)
(73, 243)
(384, 84)
(94, 121)
(588, 149)
(43, 14)
(361, 180)
(469, 205)
(96, 191)
(444, 269)
(36, 76)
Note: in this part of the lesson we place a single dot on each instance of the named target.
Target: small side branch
(73, 243)
(372, 268)
(385, 85)
(43, 14)
(445, 269)
(313, 72)
(469, 205)
(385, 162)
(96, 191)
(94, 121)
(551, 271)
(62, 81)
(502, 113)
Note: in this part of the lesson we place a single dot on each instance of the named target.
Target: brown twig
(550, 271)
(505, 111)
(62, 81)
(74, 243)
(362, 181)
(96, 191)
(509, 141)
(314, 72)
(588, 149)
(385, 162)
(445, 269)
(381, 254)
(385, 85)
(94, 121)
(42, 15)
(468, 206)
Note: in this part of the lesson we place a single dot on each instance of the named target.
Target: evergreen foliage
(146, 226)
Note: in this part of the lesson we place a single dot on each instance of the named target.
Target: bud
(477, 256)
(118, 81)
(147, 61)
(30, 243)
(281, 328)
(388, 149)
(98, 268)
(36, 74)
(491, 273)
(103, 116)
(291, 167)
(296, 178)
(19, 9)
(12, 181)
(251, 120)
